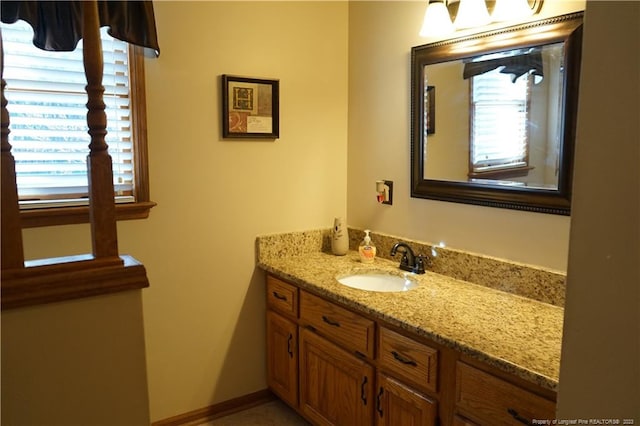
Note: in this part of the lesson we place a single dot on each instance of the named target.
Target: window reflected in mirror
(499, 112)
(501, 131)
(498, 118)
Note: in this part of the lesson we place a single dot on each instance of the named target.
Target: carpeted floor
(274, 413)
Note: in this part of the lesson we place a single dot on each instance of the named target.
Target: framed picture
(250, 107)
(430, 109)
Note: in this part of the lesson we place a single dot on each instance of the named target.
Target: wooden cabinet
(282, 339)
(489, 400)
(339, 367)
(461, 421)
(336, 387)
(346, 328)
(282, 297)
(407, 369)
(413, 362)
(398, 404)
(282, 357)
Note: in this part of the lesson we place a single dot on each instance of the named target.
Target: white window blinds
(47, 106)
(499, 121)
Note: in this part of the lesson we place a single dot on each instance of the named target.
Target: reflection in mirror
(505, 123)
(499, 118)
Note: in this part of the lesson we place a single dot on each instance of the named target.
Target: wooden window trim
(139, 131)
(104, 271)
(75, 215)
(34, 218)
(71, 277)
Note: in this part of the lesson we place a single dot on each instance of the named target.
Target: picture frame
(250, 107)
(430, 109)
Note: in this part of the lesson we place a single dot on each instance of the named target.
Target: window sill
(72, 277)
(503, 173)
(74, 215)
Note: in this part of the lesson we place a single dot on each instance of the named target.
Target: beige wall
(204, 311)
(600, 367)
(80, 362)
(203, 315)
(449, 145)
(379, 148)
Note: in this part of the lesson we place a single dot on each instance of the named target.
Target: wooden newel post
(12, 249)
(99, 167)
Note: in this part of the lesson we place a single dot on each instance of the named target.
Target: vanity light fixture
(437, 20)
(506, 10)
(472, 13)
(443, 17)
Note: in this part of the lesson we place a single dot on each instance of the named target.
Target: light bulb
(472, 13)
(436, 20)
(506, 10)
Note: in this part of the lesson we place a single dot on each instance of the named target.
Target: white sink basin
(378, 281)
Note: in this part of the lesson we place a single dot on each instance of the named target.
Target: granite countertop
(515, 334)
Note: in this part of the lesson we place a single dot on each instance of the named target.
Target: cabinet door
(282, 357)
(398, 404)
(336, 387)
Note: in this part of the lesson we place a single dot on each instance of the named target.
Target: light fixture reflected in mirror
(443, 17)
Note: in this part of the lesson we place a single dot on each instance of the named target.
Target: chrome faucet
(409, 262)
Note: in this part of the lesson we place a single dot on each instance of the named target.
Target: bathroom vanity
(447, 352)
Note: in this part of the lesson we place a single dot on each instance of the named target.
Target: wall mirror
(493, 116)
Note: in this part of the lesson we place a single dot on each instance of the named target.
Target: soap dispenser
(367, 250)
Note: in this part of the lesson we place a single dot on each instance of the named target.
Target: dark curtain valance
(517, 65)
(57, 25)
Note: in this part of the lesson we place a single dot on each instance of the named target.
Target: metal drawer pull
(279, 296)
(379, 402)
(404, 360)
(363, 394)
(518, 417)
(330, 321)
(289, 345)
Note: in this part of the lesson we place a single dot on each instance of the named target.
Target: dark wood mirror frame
(564, 28)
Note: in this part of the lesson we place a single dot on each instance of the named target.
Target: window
(499, 115)
(47, 106)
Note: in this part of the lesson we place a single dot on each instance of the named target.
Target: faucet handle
(420, 262)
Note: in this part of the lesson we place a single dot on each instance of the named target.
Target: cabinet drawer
(461, 421)
(413, 362)
(282, 297)
(344, 327)
(493, 401)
